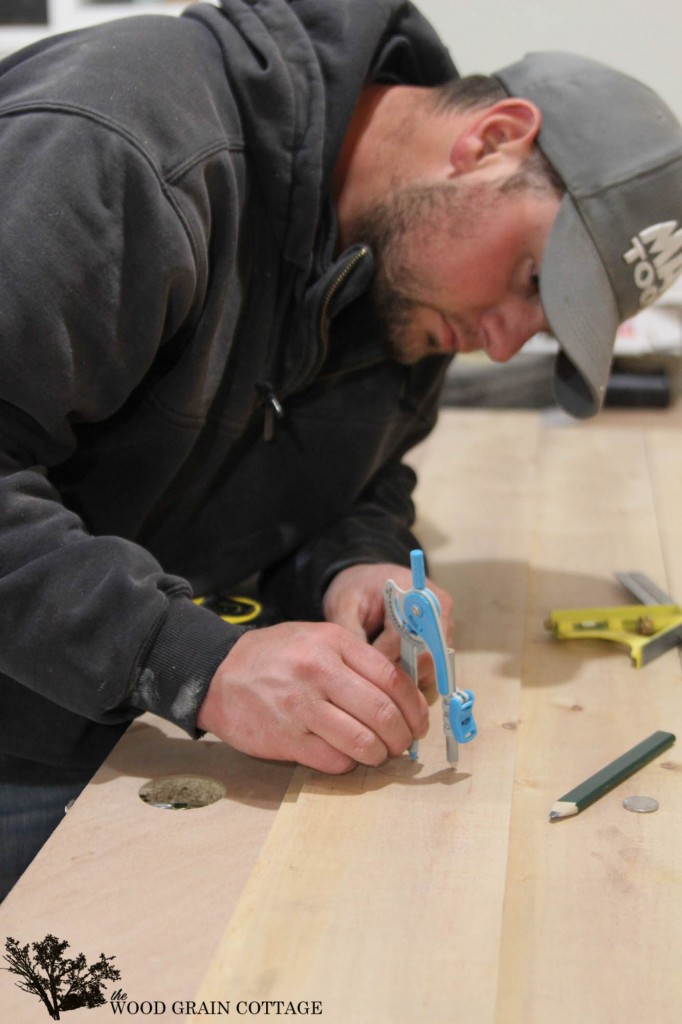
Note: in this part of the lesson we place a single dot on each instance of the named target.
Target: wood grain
(413, 892)
(151, 887)
(594, 903)
(380, 894)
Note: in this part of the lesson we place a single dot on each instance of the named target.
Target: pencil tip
(563, 809)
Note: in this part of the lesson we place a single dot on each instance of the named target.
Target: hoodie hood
(297, 70)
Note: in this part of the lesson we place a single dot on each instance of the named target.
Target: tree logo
(61, 983)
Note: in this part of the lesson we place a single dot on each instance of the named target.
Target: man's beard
(401, 225)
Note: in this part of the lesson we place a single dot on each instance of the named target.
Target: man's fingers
(388, 643)
(365, 706)
(350, 612)
(313, 693)
(315, 752)
(349, 736)
(366, 724)
(391, 706)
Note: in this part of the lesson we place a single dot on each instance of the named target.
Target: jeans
(29, 813)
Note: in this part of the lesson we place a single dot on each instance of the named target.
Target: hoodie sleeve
(93, 623)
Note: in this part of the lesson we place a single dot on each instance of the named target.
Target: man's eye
(534, 283)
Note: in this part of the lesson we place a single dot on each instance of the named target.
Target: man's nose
(508, 327)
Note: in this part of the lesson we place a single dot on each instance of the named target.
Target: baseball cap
(616, 242)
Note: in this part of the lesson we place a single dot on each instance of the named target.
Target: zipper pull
(273, 409)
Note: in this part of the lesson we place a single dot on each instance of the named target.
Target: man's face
(458, 266)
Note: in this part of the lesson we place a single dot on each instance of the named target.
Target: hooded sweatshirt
(190, 389)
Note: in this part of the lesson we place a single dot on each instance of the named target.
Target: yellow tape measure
(236, 610)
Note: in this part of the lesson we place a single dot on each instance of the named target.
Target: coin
(640, 804)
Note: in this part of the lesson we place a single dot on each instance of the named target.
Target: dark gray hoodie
(167, 270)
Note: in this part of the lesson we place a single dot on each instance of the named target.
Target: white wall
(643, 39)
(65, 15)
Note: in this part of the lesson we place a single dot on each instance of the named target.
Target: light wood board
(380, 894)
(594, 903)
(151, 887)
(415, 893)
(461, 902)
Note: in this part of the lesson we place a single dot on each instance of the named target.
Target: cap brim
(577, 299)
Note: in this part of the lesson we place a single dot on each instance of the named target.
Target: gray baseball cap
(616, 242)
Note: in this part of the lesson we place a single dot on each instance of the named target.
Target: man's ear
(507, 129)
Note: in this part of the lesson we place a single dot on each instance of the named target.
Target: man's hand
(355, 599)
(315, 694)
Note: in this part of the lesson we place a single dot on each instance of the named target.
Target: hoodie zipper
(273, 409)
(273, 405)
(340, 278)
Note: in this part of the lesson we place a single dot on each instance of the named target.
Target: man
(239, 250)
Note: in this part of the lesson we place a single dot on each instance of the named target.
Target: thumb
(347, 611)
(346, 615)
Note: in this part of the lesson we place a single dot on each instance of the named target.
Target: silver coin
(640, 804)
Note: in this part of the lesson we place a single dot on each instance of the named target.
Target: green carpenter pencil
(602, 781)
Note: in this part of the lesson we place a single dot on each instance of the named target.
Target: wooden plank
(594, 903)
(151, 887)
(663, 449)
(380, 893)
(415, 893)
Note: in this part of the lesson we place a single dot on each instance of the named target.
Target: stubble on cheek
(411, 235)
